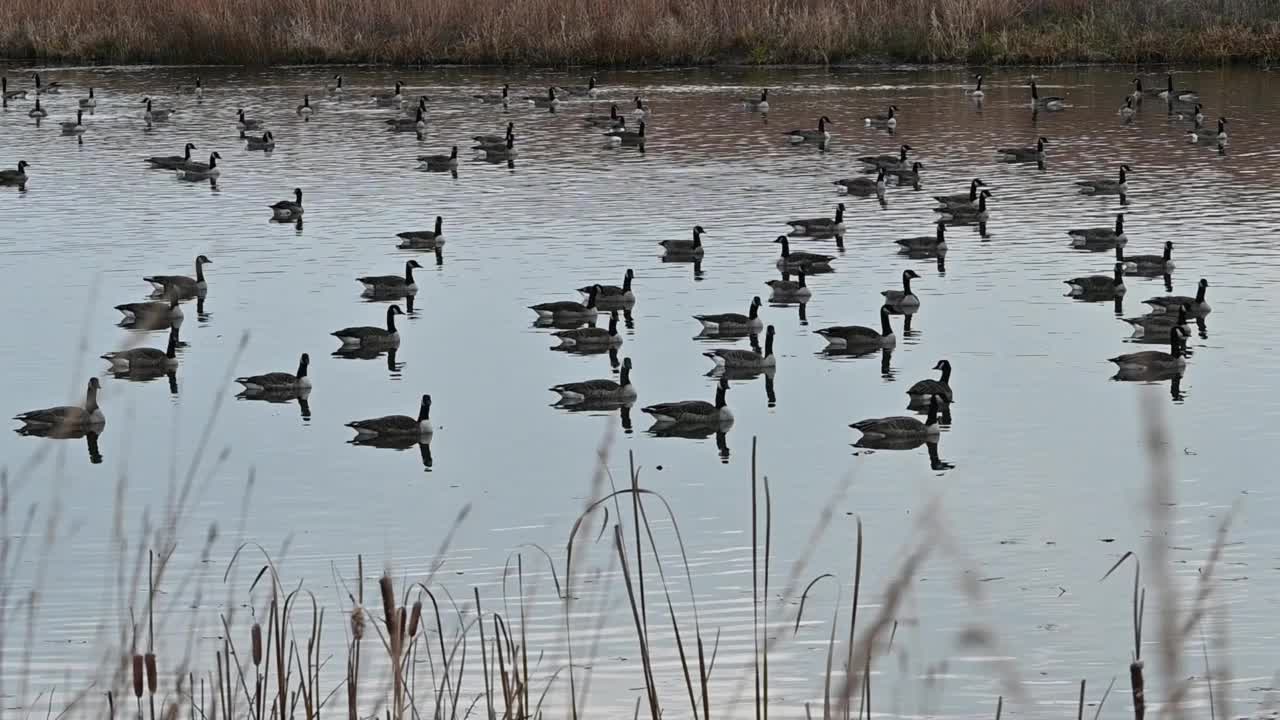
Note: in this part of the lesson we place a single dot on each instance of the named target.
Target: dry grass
(603, 32)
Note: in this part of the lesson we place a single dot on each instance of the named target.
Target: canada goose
(74, 127)
(685, 248)
(266, 142)
(1196, 306)
(796, 289)
(796, 260)
(423, 239)
(888, 118)
(396, 425)
(569, 309)
(1148, 263)
(490, 99)
(279, 381)
(335, 87)
(389, 98)
(8, 94)
(843, 336)
(391, 284)
(966, 213)
(600, 390)
(726, 322)
(907, 175)
(1205, 135)
(15, 177)
(887, 162)
(588, 90)
(195, 166)
(1183, 95)
(196, 89)
(305, 108)
(969, 198)
(1024, 154)
(67, 418)
(1099, 237)
(90, 102)
(486, 140)
(640, 111)
(1195, 113)
(440, 162)
(171, 162)
(613, 120)
(1103, 186)
(612, 293)
(760, 104)
(1138, 93)
(181, 285)
(627, 137)
(863, 186)
(977, 92)
(152, 114)
(246, 123)
(152, 314)
(1158, 323)
(52, 88)
(550, 101)
(1051, 103)
(1127, 110)
(409, 124)
(1096, 285)
(903, 299)
(941, 388)
(693, 412)
(820, 226)
(37, 112)
(288, 209)
(1155, 359)
(365, 335)
(901, 426)
(146, 357)
(592, 337)
(746, 359)
(926, 243)
(818, 136)
(201, 171)
(505, 151)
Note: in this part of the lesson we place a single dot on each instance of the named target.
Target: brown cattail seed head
(256, 634)
(415, 618)
(357, 622)
(402, 620)
(388, 601)
(152, 680)
(137, 676)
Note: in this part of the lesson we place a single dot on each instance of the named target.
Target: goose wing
(383, 280)
(361, 331)
(559, 306)
(723, 318)
(387, 424)
(855, 332)
(677, 410)
(897, 425)
(589, 387)
(930, 387)
(269, 380)
(63, 414)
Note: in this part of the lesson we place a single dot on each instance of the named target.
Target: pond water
(1039, 474)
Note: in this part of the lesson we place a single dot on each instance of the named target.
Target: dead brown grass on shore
(639, 31)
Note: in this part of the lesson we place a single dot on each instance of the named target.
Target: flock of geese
(575, 320)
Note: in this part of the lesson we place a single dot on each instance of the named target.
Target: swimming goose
(685, 248)
(887, 162)
(1099, 237)
(1103, 186)
(627, 137)
(89, 102)
(15, 177)
(1156, 359)
(146, 357)
(734, 358)
(366, 335)
(440, 162)
(74, 127)
(818, 136)
(820, 226)
(152, 114)
(1184, 95)
(1127, 110)
(640, 111)
(245, 123)
(969, 198)
(589, 90)
(1195, 305)
(1148, 263)
(907, 175)
(37, 112)
(1024, 154)
(693, 412)
(1205, 135)
(1051, 103)
(550, 102)
(757, 105)
(1095, 285)
(607, 294)
(600, 390)
(863, 186)
(151, 314)
(279, 381)
(52, 88)
(901, 426)
(843, 336)
(1194, 113)
(266, 142)
(409, 124)
(592, 337)
(569, 309)
(505, 151)
(887, 118)
(797, 260)
(305, 108)
(171, 162)
(8, 94)
(335, 87)
(486, 140)
(391, 284)
(729, 322)
(396, 425)
(197, 89)
(389, 98)
(1158, 323)
(182, 285)
(423, 239)
(613, 120)
(201, 171)
(966, 213)
(195, 166)
(790, 289)
(288, 209)
(67, 418)
(926, 243)
(903, 299)
(503, 97)
(977, 92)
(940, 388)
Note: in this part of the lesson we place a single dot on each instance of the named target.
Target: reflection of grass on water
(416, 655)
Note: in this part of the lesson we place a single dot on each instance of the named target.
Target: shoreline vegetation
(641, 32)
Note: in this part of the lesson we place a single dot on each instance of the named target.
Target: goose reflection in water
(372, 352)
(601, 408)
(301, 395)
(148, 374)
(936, 463)
(295, 221)
(697, 432)
(394, 442)
(67, 432)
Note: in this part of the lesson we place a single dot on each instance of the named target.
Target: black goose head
(754, 310)
(943, 365)
(885, 327)
(942, 231)
(786, 246)
(721, 388)
(453, 154)
(439, 224)
(908, 276)
(202, 260)
(1168, 249)
(839, 212)
(424, 410)
(23, 165)
(764, 95)
(698, 232)
(613, 111)
(1119, 273)
(297, 194)
(303, 363)
(412, 265)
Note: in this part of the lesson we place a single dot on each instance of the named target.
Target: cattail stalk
(138, 679)
(149, 661)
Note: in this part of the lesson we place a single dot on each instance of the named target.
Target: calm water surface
(1040, 475)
